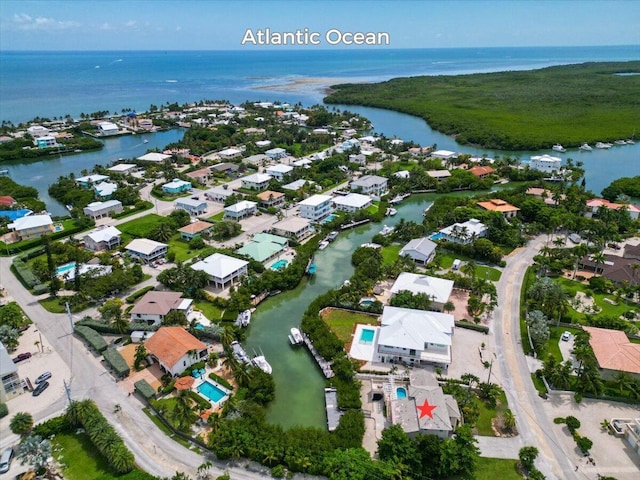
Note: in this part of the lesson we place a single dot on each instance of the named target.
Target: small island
(523, 110)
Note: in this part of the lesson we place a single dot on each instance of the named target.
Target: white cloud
(131, 24)
(106, 26)
(21, 18)
(23, 21)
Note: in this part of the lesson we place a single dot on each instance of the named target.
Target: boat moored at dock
(295, 337)
(243, 319)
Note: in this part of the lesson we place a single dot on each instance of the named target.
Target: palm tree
(509, 420)
(21, 423)
(182, 414)
(449, 307)
(623, 381)
(599, 259)
(162, 232)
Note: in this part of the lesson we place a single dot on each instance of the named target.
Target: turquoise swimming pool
(366, 336)
(436, 236)
(366, 302)
(279, 265)
(65, 268)
(330, 218)
(401, 392)
(211, 391)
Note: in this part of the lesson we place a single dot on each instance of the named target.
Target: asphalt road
(533, 424)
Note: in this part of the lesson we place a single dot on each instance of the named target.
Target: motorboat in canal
(323, 244)
(558, 148)
(243, 319)
(603, 145)
(585, 147)
(261, 362)
(386, 230)
(295, 337)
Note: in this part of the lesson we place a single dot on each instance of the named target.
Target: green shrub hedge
(146, 390)
(202, 403)
(24, 273)
(136, 295)
(472, 326)
(92, 337)
(220, 380)
(4, 410)
(117, 362)
(52, 427)
(104, 327)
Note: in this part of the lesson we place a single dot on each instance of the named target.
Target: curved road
(535, 427)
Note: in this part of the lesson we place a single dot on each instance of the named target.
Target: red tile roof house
(482, 171)
(175, 349)
(614, 352)
(154, 306)
(7, 201)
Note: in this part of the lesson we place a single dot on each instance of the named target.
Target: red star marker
(426, 409)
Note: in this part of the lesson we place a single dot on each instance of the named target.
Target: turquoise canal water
(299, 382)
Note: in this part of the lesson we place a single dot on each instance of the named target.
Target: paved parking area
(468, 355)
(611, 454)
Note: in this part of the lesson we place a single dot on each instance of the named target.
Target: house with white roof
(218, 194)
(263, 143)
(31, 226)
(464, 233)
(444, 154)
(190, 205)
(402, 174)
(437, 289)
(545, 163)
(353, 202)
(316, 207)
(176, 186)
(295, 228)
(439, 175)
(297, 185)
(154, 306)
(276, 153)
(147, 250)
(105, 190)
(240, 210)
(350, 143)
(108, 128)
(155, 157)
(37, 131)
(414, 337)
(124, 168)
(102, 239)
(223, 270)
(90, 180)
(421, 250)
(370, 185)
(229, 153)
(279, 171)
(11, 385)
(96, 210)
(257, 181)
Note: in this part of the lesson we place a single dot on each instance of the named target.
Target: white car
(565, 336)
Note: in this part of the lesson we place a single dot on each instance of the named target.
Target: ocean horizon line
(324, 49)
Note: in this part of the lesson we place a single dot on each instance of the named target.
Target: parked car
(565, 336)
(40, 388)
(21, 357)
(43, 377)
(5, 460)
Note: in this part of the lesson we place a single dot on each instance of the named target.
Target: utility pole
(73, 328)
(67, 390)
(490, 367)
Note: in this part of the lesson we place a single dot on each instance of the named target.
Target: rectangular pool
(401, 392)
(366, 337)
(211, 391)
(65, 268)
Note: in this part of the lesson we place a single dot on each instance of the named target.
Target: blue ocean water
(48, 84)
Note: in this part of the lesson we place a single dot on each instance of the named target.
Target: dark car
(40, 388)
(21, 357)
(43, 377)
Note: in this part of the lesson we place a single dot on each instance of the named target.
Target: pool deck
(363, 351)
(199, 381)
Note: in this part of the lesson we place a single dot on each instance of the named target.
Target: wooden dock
(354, 224)
(325, 366)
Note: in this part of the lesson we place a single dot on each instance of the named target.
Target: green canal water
(299, 383)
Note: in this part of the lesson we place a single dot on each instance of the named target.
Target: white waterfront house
(229, 153)
(154, 306)
(102, 239)
(370, 185)
(191, 206)
(240, 210)
(90, 180)
(545, 163)
(421, 250)
(316, 207)
(105, 190)
(352, 202)
(257, 181)
(147, 250)
(223, 270)
(31, 226)
(108, 128)
(437, 289)
(96, 210)
(279, 171)
(464, 233)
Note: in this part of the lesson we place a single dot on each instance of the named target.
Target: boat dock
(355, 224)
(322, 363)
(331, 404)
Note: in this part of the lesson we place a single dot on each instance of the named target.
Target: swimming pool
(366, 336)
(65, 268)
(211, 391)
(436, 236)
(279, 265)
(330, 218)
(401, 392)
(199, 326)
(366, 302)
(57, 227)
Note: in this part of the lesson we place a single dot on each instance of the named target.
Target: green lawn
(82, 461)
(342, 322)
(390, 254)
(487, 414)
(372, 209)
(489, 273)
(165, 429)
(182, 248)
(217, 217)
(53, 305)
(209, 310)
(496, 469)
(141, 227)
(553, 345)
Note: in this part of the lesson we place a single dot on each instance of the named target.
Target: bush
(92, 337)
(135, 295)
(584, 444)
(472, 326)
(572, 423)
(559, 420)
(202, 403)
(117, 362)
(4, 410)
(53, 427)
(278, 471)
(220, 380)
(168, 388)
(146, 390)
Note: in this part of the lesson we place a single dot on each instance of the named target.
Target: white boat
(296, 337)
(386, 230)
(145, 141)
(585, 147)
(323, 244)
(603, 145)
(558, 148)
(261, 362)
(332, 236)
(630, 142)
(243, 319)
(620, 142)
(391, 211)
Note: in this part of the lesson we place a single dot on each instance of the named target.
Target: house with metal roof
(437, 289)
(90, 180)
(96, 210)
(370, 185)
(176, 186)
(465, 232)
(257, 181)
(190, 205)
(31, 226)
(240, 210)
(102, 239)
(316, 207)
(105, 190)
(218, 194)
(154, 306)
(146, 250)
(223, 270)
(420, 250)
(264, 247)
(353, 202)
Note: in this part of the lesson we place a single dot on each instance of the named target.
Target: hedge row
(136, 295)
(220, 380)
(202, 403)
(102, 435)
(104, 327)
(24, 273)
(472, 326)
(4, 410)
(92, 337)
(117, 362)
(146, 390)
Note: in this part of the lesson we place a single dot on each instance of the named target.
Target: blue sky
(221, 25)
